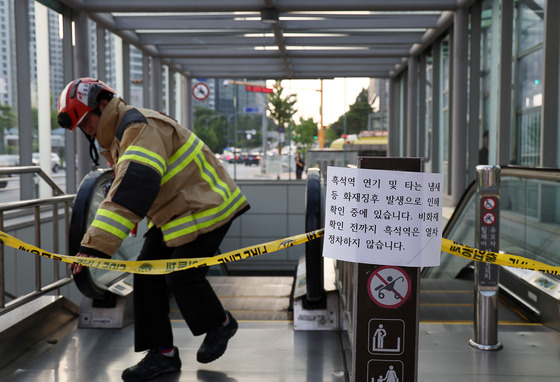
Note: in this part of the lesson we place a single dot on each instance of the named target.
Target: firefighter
(166, 174)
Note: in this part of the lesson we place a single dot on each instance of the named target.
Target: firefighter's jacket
(163, 172)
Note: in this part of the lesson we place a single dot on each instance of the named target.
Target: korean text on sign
(383, 217)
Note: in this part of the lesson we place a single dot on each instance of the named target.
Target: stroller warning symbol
(389, 287)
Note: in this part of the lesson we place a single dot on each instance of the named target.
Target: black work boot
(215, 342)
(153, 364)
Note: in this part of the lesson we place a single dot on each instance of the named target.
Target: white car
(55, 161)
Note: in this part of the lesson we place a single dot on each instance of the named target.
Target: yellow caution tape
(159, 267)
(462, 250)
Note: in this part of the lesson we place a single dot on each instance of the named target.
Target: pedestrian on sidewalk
(300, 165)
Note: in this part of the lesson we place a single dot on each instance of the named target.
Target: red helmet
(77, 99)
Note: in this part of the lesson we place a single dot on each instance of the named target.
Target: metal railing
(36, 204)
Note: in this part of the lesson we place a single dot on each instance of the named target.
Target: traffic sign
(251, 110)
(200, 91)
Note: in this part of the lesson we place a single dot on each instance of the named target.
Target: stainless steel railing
(40, 213)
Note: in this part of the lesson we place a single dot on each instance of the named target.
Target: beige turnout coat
(164, 173)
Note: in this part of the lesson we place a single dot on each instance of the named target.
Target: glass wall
(429, 118)
(490, 76)
(445, 64)
(529, 28)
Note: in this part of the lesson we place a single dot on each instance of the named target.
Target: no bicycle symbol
(389, 287)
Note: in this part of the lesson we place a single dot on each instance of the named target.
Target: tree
(305, 132)
(211, 127)
(356, 118)
(281, 109)
(8, 120)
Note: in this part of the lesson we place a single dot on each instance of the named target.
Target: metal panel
(169, 30)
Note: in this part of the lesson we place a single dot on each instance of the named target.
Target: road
(11, 192)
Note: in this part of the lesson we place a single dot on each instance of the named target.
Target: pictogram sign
(489, 218)
(489, 204)
(389, 286)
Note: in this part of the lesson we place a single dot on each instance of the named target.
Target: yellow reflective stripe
(208, 173)
(116, 217)
(180, 159)
(192, 150)
(141, 154)
(113, 223)
(109, 228)
(203, 219)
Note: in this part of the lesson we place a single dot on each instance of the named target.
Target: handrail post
(487, 274)
(2, 269)
(315, 297)
(56, 274)
(38, 244)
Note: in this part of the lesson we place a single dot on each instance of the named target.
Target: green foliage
(280, 107)
(211, 127)
(304, 133)
(8, 118)
(356, 118)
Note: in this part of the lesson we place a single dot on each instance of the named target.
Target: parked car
(55, 161)
(229, 157)
(250, 159)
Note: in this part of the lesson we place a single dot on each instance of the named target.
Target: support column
(171, 93)
(81, 65)
(436, 102)
(70, 137)
(474, 91)
(189, 124)
(422, 108)
(43, 95)
(156, 80)
(146, 100)
(101, 56)
(412, 107)
(185, 108)
(126, 71)
(459, 102)
(21, 11)
(392, 120)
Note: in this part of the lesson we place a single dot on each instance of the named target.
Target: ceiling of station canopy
(275, 39)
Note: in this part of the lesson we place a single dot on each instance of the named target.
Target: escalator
(529, 227)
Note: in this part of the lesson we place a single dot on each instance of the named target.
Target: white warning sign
(383, 217)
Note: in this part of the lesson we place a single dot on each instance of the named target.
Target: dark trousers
(197, 301)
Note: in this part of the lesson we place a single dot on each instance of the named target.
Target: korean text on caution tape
(462, 250)
(168, 266)
(158, 267)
